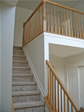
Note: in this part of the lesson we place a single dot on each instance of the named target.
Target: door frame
(67, 85)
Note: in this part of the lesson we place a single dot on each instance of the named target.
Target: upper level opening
(54, 18)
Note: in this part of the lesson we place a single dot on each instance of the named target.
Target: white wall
(58, 65)
(80, 6)
(0, 57)
(35, 50)
(21, 16)
(7, 34)
(75, 59)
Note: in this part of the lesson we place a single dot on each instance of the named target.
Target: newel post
(23, 34)
(81, 109)
(44, 16)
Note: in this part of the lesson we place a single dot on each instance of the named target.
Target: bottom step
(29, 107)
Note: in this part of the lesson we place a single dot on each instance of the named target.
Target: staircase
(26, 98)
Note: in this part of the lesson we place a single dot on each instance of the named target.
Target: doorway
(75, 83)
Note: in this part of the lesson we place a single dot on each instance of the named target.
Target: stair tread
(17, 47)
(22, 67)
(23, 93)
(22, 75)
(28, 104)
(23, 83)
(20, 51)
(20, 61)
(19, 56)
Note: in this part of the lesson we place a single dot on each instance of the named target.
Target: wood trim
(54, 3)
(64, 88)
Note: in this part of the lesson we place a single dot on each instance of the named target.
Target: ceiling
(32, 4)
(10, 2)
(64, 51)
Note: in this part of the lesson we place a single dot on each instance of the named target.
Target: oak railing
(54, 18)
(58, 98)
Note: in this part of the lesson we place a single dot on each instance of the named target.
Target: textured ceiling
(64, 51)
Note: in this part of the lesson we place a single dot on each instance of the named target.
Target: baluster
(67, 105)
(51, 18)
(58, 96)
(61, 22)
(82, 25)
(79, 25)
(71, 22)
(54, 20)
(52, 93)
(39, 21)
(23, 33)
(73, 25)
(44, 16)
(50, 89)
(55, 95)
(27, 34)
(48, 83)
(64, 22)
(47, 19)
(29, 30)
(71, 108)
(64, 103)
(61, 99)
(76, 25)
(58, 18)
(67, 23)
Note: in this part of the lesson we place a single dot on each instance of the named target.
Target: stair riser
(17, 48)
(18, 53)
(21, 71)
(19, 99)
(22, 79)
(20, 64)
(19, 58)
(24, 88)
(33, 109)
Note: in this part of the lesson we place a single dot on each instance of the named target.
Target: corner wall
(7, 34)
(0, 56)
(21, 16)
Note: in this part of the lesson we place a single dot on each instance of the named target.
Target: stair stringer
(39, 85)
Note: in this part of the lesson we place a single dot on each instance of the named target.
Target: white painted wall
(80, 6)
(76, 59)
(58, 65)
(21, 16)
(35, 50)
(0, 57)
(7, 34)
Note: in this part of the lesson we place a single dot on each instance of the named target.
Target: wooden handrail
(63, 87)
(12, 107)
(57, 4)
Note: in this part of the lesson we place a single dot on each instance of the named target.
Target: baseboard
(34, 72)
